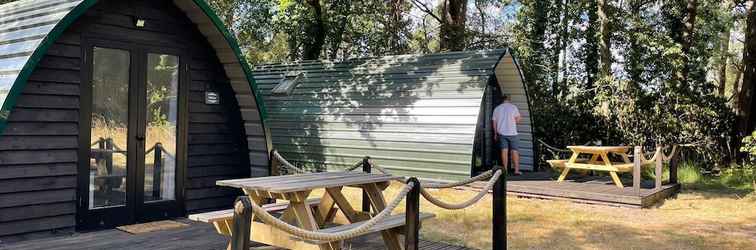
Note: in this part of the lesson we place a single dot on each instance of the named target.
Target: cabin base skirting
(9, 239)
(649, 200)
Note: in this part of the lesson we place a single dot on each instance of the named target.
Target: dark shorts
(509, 142)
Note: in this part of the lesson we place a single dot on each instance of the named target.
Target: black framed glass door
(130, 134)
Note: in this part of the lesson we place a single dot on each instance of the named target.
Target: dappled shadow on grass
(732, 182)
(715, 190)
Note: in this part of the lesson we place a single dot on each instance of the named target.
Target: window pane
(162, 113)
(110, 106)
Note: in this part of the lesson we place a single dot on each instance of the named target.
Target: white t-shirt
(504, 115)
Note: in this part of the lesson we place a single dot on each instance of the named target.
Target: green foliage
(740, 181)
(271, 31)
(644, 102)
(749, 146)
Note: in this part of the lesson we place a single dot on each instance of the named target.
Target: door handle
(140, 137)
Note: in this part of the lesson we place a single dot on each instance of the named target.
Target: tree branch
(426, 9)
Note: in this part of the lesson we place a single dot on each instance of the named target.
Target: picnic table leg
(566, 170)
(346, 208)
(564, 174)
(616, 179)
(594, 159)
(326, 210)
(306, 218)
(613, 174)
(378, 203)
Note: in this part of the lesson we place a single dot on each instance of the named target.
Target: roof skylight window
(287, 84)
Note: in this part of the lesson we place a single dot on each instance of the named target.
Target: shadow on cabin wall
(415, 115)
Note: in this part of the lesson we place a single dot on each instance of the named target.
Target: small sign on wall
(212, 98)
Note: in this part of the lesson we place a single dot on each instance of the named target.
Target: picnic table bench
(313, 214)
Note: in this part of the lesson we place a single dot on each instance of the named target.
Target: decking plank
(588, 189)
(196, 236)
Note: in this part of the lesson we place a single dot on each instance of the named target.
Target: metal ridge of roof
(493, 52)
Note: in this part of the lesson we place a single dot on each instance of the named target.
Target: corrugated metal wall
(413, 114)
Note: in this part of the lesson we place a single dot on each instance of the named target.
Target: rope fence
(489, 186)
(337, 236)
(412, 191)
(286, 164)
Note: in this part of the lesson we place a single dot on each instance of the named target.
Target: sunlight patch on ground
(694, 220)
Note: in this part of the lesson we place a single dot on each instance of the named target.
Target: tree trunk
(605, 54)
(724, 46)
(591, 45)
(316, 32)
(634, 58)
(736, 86)
(557, 48)
(396, 24)
(745, 120)
(690, 23)
(453, 20)
(343, 7)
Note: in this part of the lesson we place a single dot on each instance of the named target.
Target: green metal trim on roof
(235, 47)
(21, 76)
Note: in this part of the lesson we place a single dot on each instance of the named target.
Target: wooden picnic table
(296, 188)
(599, 161)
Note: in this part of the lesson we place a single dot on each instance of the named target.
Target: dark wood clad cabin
(118, 112)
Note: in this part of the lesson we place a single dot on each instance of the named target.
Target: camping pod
(117, 112)
(415, 115)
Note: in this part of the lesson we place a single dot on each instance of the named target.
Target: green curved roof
(416, 115)
(29, 27)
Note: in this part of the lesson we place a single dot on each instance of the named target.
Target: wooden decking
(588, 189)
(200, 236)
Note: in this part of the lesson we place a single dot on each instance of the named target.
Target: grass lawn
(706, 215)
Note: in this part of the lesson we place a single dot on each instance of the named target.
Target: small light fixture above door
(139, 23)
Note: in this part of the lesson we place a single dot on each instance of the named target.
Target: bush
(749, 146)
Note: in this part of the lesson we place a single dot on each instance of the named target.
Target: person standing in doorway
(505, 119)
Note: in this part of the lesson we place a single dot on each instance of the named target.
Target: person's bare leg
(516, 160)
(504, 160)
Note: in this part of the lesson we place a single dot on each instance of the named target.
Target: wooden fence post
(673, 165)
(109, 155)
(157, 168)
(240, 231)
(637, 154)
(499, 233)
(275, 170)
(367, 168)
(412, 216)
(659, 166)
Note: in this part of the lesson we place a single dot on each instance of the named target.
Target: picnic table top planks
(305, 182)
(600, 149)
